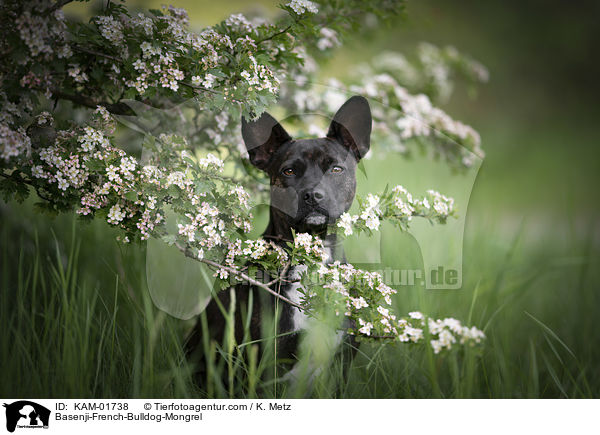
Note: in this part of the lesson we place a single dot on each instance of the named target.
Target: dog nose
(313, 196)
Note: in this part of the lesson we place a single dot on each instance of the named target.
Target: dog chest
(294, 291)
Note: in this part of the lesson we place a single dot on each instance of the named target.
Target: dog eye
(337, 169)
(288, 172)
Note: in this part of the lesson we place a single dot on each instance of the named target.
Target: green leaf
(189, 162)
(149, 142)
(174, 191)
(203, 186)
(13, 190)
(131, 195)
(222, 284)
(94, 165)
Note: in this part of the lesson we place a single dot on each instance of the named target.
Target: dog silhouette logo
(26, 414)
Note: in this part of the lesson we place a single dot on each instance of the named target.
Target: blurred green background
(73, 301)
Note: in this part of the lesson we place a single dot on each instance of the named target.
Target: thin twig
(58, 5)
(96, 53)
(281, 32)
(239, 274)
(200, 88)
(281, 275)
(116, 109)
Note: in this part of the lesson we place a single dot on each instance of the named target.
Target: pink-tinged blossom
(13, 143)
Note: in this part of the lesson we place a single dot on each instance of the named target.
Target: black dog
(312, 183)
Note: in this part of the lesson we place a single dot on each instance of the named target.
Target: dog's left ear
(351, 126)
(262, 138)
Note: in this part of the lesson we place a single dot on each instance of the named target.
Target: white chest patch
(293, 292)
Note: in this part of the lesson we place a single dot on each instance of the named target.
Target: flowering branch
(243, 276)
(274, 35)
(116, 109)
(399, 207)
(231, 69)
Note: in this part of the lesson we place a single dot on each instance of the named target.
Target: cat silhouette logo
(26, 414)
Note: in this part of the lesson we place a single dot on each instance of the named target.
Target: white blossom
(78, 76)
(345, 222)
(328, 39)
(211, 161)
(13, 143)
(365, 327)
(383, 311)
(302, 6)
(359, 302)
(417, 315)
(110, 29)
(115, 215)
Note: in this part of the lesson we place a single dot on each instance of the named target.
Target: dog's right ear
(262, 138)
(351, 126)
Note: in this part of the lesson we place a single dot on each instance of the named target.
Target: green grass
(78, 321)
(69, 334)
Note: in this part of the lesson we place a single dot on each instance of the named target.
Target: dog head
(312, 180)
